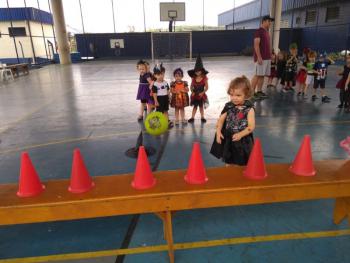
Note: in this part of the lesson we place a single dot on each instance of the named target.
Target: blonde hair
(237, 83)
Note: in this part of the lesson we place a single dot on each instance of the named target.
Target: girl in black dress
(236, 124)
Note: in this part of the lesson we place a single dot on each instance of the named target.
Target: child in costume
(271, 82)
(281, 67)
(321, 67)
(302, 73)
(179, 98)
(344, 95)
(308, 67)
(144, 92)
(161, 91)
(236, 125)
(347, 93)
(291, 68)
(199, 87)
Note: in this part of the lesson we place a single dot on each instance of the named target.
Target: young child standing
(199, 87)
(271, 82)
(281, 67)
(347, 93)
(160, 91)
(179, 98)
(144, 92)
(343, 93)
(291, 68)
(236, 124)
(321, 67)
(308, 66)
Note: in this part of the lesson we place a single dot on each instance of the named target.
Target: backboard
(171, 11)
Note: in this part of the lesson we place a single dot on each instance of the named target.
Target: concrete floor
(92, 106)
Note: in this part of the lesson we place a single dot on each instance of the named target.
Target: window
(298, 20)
(332, 13)
(310, 17)
(17, 31)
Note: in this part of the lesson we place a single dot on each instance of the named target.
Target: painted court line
(182, 246)
(98, 137)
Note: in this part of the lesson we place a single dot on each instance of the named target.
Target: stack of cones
(303, 163)
(256, 166)
(143, 178)
(81, 181)
(29, 182)
(196, 173)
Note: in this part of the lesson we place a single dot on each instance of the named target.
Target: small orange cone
(303, 164)
(29, 182)
(196, 173)
(80, 180)
(256, 166)
(143, 178)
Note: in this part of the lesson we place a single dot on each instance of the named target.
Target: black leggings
(344, 97)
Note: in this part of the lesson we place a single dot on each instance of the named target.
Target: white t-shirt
(161, 88)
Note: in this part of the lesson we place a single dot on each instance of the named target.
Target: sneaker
(299, 94)
(191, 120)
(326, 99)
(285, 90)
(256, 96)
(170, 124)
(314, 97)
(292, 90)
(261, 94)
(177, 123)
(203, 120)
(184, 122)
(340, 106)
(140, 118)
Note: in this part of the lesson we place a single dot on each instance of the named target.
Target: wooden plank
(113, 195)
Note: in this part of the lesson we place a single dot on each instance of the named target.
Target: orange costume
(179, 97)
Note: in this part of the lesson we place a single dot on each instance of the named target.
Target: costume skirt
(237, 152)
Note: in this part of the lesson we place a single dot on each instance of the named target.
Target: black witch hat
(158, 69)
(198, 67)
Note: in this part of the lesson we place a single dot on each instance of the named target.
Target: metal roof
(21, 13)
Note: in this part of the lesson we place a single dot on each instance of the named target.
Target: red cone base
(29, 182)
(143, 178)
(256, 166)
(80, 181)
(303, 164)
(196, 173)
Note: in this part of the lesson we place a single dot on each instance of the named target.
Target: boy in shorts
(321, 67)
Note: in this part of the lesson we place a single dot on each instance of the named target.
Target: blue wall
(138, 45)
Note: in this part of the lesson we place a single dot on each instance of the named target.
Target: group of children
(156, 94)
(311, 73)
(233, 141)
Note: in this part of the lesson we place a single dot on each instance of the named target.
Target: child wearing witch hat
(199, 87)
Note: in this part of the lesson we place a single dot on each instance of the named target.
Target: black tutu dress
(234, 152)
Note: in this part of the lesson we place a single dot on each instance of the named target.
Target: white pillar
(61, 32)
(277, 24)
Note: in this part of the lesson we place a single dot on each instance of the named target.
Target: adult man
(262, 56)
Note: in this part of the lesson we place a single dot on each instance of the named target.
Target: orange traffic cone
(196, 173)
(29, 182)
(80, 180)
(143, 178)
(256, 166)
(303, 164)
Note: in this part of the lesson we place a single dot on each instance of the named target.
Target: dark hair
(158, 69)
(237, 83)
(178, 71)
(142, 62)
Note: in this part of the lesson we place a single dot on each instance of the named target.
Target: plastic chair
(5, 73)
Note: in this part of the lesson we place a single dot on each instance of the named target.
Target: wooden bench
(113, 195)
(17, 68)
